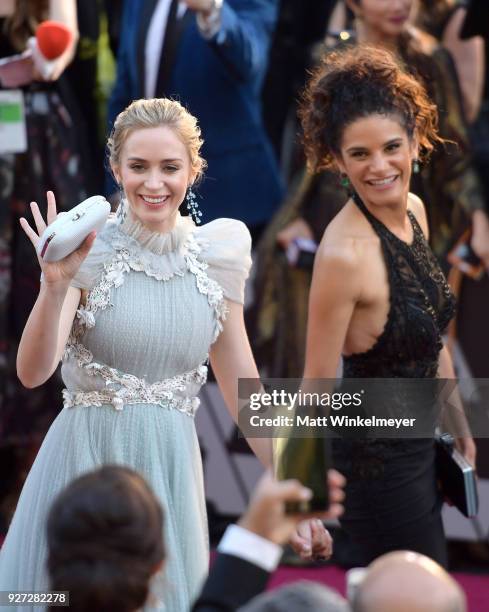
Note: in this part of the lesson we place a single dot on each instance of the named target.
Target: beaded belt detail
(128, 389)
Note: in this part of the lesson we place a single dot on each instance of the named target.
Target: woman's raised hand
(58, 272)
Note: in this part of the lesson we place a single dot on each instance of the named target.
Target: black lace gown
(392, 500)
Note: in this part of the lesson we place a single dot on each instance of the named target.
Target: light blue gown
(133, 367)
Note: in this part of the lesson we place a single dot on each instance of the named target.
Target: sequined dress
(133, 367)
(392, 500)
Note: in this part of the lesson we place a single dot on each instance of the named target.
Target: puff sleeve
(93, 266)
(226, 248)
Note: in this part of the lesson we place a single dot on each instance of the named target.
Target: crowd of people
(105, 546)
(343, 145)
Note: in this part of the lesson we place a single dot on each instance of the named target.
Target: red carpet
(476, 587)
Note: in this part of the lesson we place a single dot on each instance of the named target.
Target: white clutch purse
(69, 230)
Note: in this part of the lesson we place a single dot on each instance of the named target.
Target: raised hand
(60, 272)
(266, 515)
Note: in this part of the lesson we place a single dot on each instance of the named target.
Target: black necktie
(167, 57)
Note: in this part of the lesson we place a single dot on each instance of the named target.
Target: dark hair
(358, 82)
(23, 22)
(105, 540)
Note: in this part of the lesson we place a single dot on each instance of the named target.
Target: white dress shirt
(251, 547)
(154, 43)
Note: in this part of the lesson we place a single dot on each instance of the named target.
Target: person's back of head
(105, 540)
(405, 581)
(303, 595)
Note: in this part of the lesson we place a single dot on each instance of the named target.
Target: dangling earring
(192, 206)
(344, 180)
(121, 209)
(416, 167)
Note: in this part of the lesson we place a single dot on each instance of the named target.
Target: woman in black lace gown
(378, 296)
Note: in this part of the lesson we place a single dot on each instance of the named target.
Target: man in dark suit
(212, 56)
(250, 551)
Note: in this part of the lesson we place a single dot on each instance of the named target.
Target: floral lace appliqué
(122, 388)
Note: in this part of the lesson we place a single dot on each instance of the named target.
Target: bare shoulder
(416, 206)
(344, 250)
(338, 256)
(349, 234)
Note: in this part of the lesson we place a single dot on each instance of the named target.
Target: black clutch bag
(456, 476)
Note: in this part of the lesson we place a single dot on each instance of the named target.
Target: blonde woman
(135, 324)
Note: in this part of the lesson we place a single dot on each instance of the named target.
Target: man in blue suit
(212, 56)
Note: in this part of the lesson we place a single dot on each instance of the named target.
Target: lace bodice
(421, 306)
(155, 303)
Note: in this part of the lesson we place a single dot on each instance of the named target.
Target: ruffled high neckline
(156, 242)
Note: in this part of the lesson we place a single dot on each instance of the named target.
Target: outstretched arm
(249, 552)
(65, 12)
(231, 359)
(244, 35)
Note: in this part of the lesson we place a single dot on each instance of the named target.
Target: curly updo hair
(355, 83)
(105, 540)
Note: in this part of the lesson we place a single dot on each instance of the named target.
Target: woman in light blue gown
(135, 325)
(135, 314)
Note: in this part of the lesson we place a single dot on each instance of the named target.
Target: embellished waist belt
(127, 389)
(188, 405)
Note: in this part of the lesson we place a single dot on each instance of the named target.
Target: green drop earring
(345, 181)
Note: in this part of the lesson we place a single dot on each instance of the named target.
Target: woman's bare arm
(454, 418)
(65, 12)
(334, 292)
(469, 61)
(231, 358)
(47, 329)
(46, 333)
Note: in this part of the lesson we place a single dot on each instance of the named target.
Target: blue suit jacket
(219, 81)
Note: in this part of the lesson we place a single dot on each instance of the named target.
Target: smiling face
(377, 155)
(383, 18)
(155, 172)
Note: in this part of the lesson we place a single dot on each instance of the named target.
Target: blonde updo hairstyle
(154, 113)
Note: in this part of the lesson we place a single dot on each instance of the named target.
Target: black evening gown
(392, 498)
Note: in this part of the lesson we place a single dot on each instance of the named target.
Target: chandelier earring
(192, 206)
(121, 209)
(416, 167)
